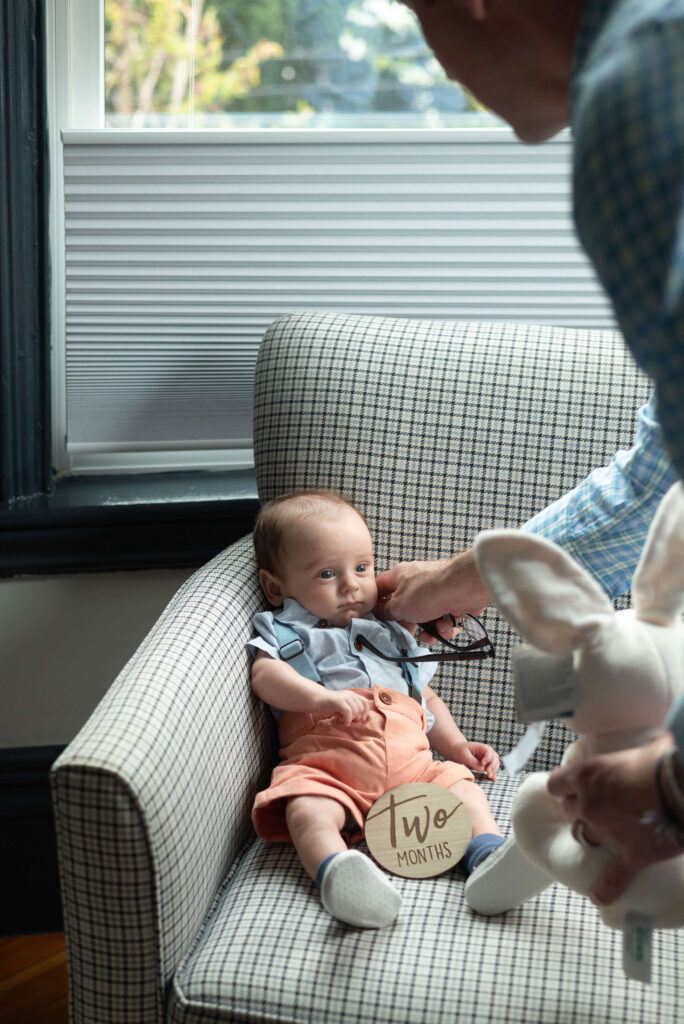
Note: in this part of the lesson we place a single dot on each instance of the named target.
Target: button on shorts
(352, 764)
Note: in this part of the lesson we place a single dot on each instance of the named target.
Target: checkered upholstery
(174, 911)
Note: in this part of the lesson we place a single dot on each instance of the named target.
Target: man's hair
(276, 516)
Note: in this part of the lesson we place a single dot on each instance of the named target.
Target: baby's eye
(362, 567)
(327, 574)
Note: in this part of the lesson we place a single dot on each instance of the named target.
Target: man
(612, 70)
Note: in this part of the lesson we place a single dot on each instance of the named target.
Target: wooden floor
(33, 980)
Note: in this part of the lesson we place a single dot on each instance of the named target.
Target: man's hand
(414, 592)
(615, 796)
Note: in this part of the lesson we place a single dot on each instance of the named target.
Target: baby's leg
(486, 834)
(352, 888)
(315, 824)
(481, 816)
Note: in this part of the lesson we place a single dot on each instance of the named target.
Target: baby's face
(327, 566)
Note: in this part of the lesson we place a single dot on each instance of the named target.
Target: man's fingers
(386, 583)
(613, 882)
(383, 608)
(561, 782)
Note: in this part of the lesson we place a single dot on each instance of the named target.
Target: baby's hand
(345, 705)
(479, 757)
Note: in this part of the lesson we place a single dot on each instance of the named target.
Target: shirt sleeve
(628, 153)
(675, 722)
(603, 522)
(266, 638)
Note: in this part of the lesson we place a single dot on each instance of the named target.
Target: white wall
(63, 640)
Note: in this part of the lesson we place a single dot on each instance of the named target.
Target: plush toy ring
(579, 833)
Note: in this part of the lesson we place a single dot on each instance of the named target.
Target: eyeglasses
(478, 644)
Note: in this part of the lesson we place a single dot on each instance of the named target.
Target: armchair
(174, 911)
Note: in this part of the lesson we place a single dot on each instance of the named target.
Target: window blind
(181, 248)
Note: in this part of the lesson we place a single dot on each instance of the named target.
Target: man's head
(515, 56)
(314, 547)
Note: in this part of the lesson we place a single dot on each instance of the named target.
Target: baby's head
(314, 546)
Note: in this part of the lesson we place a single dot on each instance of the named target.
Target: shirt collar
(292, 611)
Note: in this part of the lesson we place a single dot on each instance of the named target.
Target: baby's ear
(549, 599)
(271, 587)
(658, 584)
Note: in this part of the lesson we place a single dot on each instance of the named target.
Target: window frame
(51, 523)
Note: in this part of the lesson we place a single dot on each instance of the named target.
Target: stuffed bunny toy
(618, 671)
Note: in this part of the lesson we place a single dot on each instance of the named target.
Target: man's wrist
(461, 576)
(669, 782)
(675, 723)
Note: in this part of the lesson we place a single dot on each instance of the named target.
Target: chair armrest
(153, 797)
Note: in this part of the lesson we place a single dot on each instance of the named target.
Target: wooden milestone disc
(418, 831)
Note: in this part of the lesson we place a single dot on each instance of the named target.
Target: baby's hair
(274, 518)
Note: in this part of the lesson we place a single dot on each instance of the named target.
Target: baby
(346, 742)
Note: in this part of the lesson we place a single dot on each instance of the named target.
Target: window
(221, 163)
(273, 64)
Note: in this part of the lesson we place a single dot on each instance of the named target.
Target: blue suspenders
(292, 649)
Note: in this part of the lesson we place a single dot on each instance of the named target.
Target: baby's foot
(354, 890)
(503, 880)
(478, 849)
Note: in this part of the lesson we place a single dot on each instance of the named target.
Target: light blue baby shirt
(332, 650)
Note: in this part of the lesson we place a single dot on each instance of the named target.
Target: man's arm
(421, 591)
(602, 523)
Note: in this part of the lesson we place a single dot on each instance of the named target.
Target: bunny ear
(549, 599)
(658, 584)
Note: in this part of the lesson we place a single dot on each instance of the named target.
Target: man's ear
(271, 587)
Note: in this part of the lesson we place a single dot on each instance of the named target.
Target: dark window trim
(25, 266)
(90, 524)
(76, 524)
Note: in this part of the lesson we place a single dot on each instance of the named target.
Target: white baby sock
(504, 880)
(354, 890)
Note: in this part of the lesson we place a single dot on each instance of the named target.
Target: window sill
(99, 524)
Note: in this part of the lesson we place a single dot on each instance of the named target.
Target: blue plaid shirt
(603, 522)
(627, 116)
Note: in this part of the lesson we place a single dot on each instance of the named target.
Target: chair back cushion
(439, 430)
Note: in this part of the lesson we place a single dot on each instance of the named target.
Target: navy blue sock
(321, 869)
(478, 848)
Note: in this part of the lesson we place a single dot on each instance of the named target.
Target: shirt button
(322, 624)
(358, 645)
(385, 698)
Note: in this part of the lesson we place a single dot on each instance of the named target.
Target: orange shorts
(353, 764)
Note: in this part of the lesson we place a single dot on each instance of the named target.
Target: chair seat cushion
(268, 951)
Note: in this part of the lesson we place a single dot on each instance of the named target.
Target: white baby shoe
(354, 890)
